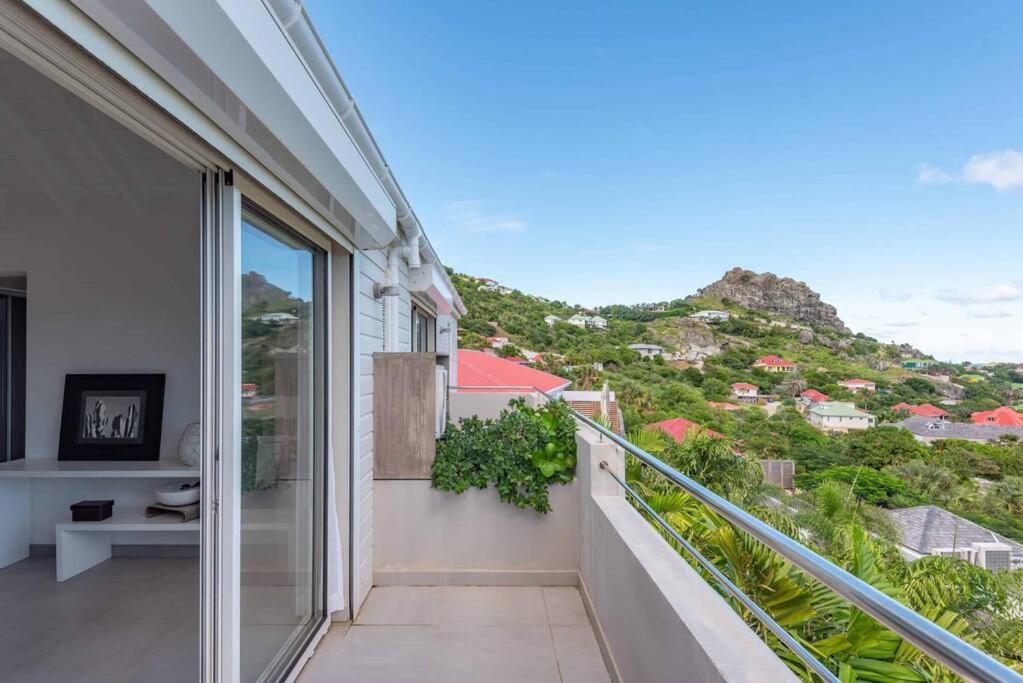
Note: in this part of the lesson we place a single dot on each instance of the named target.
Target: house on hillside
(812, 396)
(647, 350)
(279, 318)
(774, 363)
(929, 429)
(930, 530)
(838, 416)
(488, 285)
(679, 428)
(923, 410)
(917, 363)
(745, 392)
(551, 319)
(1003, 417)
(710, 316)
(598, 322)
(579, 320)
(497, 342)
(857, 384)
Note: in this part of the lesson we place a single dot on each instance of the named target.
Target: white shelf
(132, 519)
(45, 468)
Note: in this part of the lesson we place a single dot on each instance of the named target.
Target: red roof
(1004, 417)
(744, 385)
(724, 406)
(679, 427)
(774, 361)
(925, 410)
(478, 369)
(815, 395)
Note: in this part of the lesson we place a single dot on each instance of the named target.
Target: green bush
(521, 453)
(876, 488)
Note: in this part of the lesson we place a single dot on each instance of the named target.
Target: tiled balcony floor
(463, 633)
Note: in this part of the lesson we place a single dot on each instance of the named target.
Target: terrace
(469, 588)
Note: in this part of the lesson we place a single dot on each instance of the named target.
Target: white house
(278, 318)
(647, 350)
(579, 320)
(745, 390)
(598, 322)
(551, 319)
(837, 416)
(858, 385)
(710, 316)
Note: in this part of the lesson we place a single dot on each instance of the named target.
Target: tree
(882, 446)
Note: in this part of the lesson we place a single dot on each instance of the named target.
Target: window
(422, 337)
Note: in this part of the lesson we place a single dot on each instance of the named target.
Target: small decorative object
(177, 493)
(92, 510)
(183, 513)
(190, 446)
(111, 417)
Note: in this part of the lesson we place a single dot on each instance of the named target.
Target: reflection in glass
(282, 461)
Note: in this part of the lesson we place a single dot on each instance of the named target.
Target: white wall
(109, 290)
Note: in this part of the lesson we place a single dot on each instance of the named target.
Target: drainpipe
(406, 249)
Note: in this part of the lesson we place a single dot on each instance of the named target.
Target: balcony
(467, 587)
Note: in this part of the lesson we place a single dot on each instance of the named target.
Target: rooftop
(1003, 416)
(923, 410)
(943, 429)
(774, 361)
(926, 527)
(679, 428)
(815, 395)
(477, 369)
(838, 409)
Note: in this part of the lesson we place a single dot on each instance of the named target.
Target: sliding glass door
(282, 481)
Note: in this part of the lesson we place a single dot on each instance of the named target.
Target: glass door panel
(281, 597)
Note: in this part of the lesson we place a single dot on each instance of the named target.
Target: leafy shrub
(876, 488)
(521, 453)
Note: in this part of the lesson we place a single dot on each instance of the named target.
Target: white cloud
(989, 315)
(1001, 170)
(902, 323)
(473, 216)
(932, 175)
(1003, 292)
(895, 295)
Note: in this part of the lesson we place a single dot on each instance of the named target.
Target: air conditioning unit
(442, 400)
(965, 554)
(993, 555)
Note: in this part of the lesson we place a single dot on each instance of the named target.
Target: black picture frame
(116, 417)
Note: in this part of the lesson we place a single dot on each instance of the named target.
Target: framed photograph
(111, 417)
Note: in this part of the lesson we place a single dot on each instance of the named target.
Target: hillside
(705, 358)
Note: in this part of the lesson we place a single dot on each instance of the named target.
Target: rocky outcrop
(778, 295)
(695, 340)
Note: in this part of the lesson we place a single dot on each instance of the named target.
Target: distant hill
(779, 295)
(256, 289)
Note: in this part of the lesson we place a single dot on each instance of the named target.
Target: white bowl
(171, 493)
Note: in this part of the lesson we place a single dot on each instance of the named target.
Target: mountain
(779, 295)
(257, 290)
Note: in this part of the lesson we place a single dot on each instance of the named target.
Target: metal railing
(955, 653)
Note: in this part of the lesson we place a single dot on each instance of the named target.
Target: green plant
(521, 454)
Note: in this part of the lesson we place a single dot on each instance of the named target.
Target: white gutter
(299, 27)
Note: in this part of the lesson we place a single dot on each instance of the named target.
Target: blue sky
(626, 152)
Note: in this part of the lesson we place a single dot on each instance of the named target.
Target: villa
(1003, 417)
(745, 391)
(923, 410)
(551, 319)
(647, 350)
(837, 416)
(710, 316)
(855, 385)
(812, 396)
(774, 364)
(917, 363)
(679, 428)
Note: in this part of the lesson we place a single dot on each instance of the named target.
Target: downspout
(406, 249)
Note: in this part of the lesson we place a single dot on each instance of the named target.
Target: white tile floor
(123, 620)
(462, 633)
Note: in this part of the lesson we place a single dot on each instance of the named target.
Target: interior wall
(109, 291)
(111, 288)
